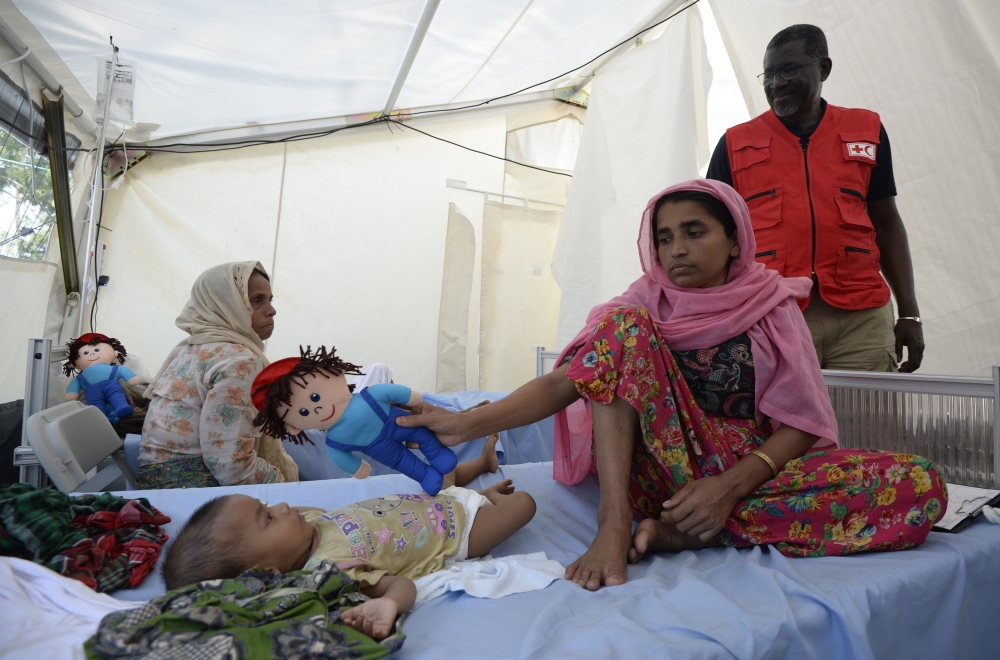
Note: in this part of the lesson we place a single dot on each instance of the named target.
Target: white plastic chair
(71, 439)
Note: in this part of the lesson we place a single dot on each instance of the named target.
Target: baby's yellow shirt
(408, 535)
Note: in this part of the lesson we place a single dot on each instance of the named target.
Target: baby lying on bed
(384, 543)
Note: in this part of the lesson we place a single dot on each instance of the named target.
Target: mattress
(938, 600)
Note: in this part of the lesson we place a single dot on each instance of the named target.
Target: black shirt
(881, 184)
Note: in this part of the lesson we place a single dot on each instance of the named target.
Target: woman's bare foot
(498, 491)
(604, 562)
(657, 536)
(490, 453)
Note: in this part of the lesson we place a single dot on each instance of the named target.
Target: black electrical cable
(97, 240)
(475, 151)
(190, 147)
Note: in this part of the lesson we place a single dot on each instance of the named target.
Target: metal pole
(411, 53)
(80, 118)
(98, 166)
(996, 427)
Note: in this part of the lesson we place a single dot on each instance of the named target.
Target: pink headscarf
(754, 300)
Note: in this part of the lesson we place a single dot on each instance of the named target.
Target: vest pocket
(851, 203)
(748, 152)
(773, 258)
(765, 208)
(857, 267)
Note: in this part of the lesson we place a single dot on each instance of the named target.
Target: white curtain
(932, 71)
(519, 296)
(645, 130)
(456, 294)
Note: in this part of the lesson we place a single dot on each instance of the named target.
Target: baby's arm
(390, 596)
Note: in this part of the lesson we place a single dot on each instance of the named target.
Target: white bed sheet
(940, 600)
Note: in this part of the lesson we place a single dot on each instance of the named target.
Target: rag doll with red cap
(310, 392)
(99, 359)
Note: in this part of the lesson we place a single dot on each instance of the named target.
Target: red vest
(808, 207)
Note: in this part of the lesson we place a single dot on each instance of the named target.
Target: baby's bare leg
(468, 470)
(495, 523)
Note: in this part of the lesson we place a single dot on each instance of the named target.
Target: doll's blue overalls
(108, 396)
(389, 449)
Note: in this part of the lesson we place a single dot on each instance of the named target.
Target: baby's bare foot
(490, 453)
(498, 491)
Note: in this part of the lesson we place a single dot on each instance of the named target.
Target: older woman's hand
(701, 507)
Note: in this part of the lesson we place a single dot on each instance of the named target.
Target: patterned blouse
(721, 378)
(201, 407)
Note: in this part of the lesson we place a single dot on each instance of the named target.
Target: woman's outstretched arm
(530, 403)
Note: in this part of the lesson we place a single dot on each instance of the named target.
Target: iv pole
(98, 167)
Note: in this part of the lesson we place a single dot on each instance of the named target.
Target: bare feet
(604, 562)
(657, 536)
(490, 453)
(498, 491)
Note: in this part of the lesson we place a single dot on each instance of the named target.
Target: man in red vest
(818, 181)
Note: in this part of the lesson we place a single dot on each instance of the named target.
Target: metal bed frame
(951, 420)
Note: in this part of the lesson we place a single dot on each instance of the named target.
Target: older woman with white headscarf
(199, 429)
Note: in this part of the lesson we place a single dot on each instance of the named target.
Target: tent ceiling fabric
(229, 63)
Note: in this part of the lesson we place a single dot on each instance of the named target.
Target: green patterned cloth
(188, 472)
(257, 615)
(105, 541)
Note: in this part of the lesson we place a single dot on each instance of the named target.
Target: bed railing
(951, 420)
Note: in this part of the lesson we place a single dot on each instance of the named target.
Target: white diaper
(471, 501)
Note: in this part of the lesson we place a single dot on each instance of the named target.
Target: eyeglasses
(788, 73)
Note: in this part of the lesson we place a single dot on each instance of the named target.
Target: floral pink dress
(827, 502)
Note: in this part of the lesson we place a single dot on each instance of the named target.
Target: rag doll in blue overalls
(99, 359)
(311, 392)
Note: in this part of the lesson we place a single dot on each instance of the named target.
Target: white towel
(491, 578)
(47, 615)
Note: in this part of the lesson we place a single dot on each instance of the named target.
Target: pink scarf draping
(754, 300)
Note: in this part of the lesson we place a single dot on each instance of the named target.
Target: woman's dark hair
(714, 206)
(198, 554)
(76, 344)
(279, 392)
(258, 271)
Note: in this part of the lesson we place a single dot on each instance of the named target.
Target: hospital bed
(939, 600)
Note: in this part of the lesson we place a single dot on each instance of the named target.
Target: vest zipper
(760, 194)
(812, 212)
(769, 253)
(855, 193)
(850, 248)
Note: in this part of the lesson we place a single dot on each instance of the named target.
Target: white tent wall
(932, 71)
(360, 243)
(646, 129)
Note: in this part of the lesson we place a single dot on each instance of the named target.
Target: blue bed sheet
(937, 601)
(528, 444)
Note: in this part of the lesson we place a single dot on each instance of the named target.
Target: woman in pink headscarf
(697, 400)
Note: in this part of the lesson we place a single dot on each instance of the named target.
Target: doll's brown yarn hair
(278, 392)
(91, 339)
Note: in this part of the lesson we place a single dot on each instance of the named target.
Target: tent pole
(97, 183)
(411, 53)
(77, 114)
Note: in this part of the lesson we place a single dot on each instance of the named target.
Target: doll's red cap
(90, 336)
(269, 374)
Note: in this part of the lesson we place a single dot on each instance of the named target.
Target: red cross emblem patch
(861, 151)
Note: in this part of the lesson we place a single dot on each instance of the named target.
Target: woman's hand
(374, 618)
(446, 425)
(701, 507)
